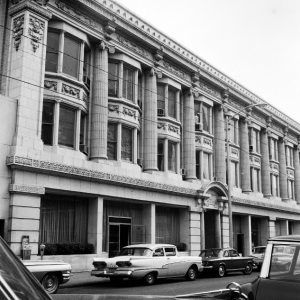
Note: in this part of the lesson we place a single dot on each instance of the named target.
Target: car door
(160, 262)
(176, 265)
(227, 260)
(237, 261)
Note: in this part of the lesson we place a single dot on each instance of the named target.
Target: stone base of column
(190, 179)
(150, 171)
(268, 196)
(98, 159)
(246, 191)
(287, 200)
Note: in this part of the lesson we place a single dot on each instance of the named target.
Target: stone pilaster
(282, 170)
(297, 174)
(99, 113)
(272, 227)
(244, 157)
(150, 122)
(27, 52)
(195, 232)
(189, 156)
(219, 144)
(265, 164)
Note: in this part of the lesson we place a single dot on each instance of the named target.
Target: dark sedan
(221, 261)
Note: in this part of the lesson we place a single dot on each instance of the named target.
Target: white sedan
(148, 262)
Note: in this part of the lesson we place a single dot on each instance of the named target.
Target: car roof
(218, 249)
(285, 238)
(150, 246)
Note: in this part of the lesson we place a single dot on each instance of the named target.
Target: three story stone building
(115, 134)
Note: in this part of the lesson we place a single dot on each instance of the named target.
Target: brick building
(116, 134)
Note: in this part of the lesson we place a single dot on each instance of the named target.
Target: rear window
(170, 251)
(139, 251)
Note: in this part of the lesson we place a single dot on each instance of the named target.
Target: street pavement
(81, 278)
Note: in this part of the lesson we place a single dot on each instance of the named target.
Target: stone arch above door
(215, 195)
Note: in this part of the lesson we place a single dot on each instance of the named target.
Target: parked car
(147, 262)
(49, 273)
(222, 261)
(279, 276)
(258, 253)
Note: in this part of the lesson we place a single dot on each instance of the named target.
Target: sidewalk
(81, 278)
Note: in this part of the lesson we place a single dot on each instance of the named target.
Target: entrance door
(119, 234)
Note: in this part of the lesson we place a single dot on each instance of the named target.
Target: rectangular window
(255, 179)
(274, 185)
(126, 145)
(48, 123)
(254, 140)
(112, 141)
(289, 156)
(113, 79)
(128, 83)
(71, 56)
(206, 117)
(52, 51)
(66, 134)
(234, 173)
(198, 164)
(291, 189)
(273, 149)
(87, 66)
(172, 103)
(82, 136)
(160, 155)
(206, 166)
(172, 156)
(160, 100)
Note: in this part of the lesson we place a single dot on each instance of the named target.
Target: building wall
(174, 157)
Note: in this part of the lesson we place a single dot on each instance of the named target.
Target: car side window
(226, 254)
(170, 251)
(158, 252)
(234, 253)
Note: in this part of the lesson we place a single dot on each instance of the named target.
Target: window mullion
(120, 80)
(61, 51)
(119, 141)
(81, 61)
(56, 123)
(77, 129)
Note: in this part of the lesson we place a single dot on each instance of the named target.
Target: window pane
(71, 56)
(128, 83)
(161, 99)
(86, 66)
(112, 141)
(206, 118)
(112, 79)
(171, 156)
(126, 151)
(198, 164)
(47, 123)
(205, 169)
(160, 155)
(66, 135)
(172, 103)
(52, 51)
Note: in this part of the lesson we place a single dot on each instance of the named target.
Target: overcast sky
(255, 42)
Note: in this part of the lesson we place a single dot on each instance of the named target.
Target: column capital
(103, 45)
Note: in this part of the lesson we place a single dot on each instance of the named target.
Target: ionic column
(244, 157)
(219, 144)
(297, 174)
(282, 171)
(189, 156)
(99, 113)
(265, 164)
(150, 122)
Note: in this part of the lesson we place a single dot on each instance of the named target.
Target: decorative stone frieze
(113, 108)
(50, 85)
(60, 169)
(36, 31)
(26, 189)
(71, 91)
(18, 28)
(129, 112)
(39, 2)
(169, 67)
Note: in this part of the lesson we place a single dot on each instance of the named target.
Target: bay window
(160, 155)
(71, 56)
(128, 83)
(254, 140)
(289, 154)
(113, 79)
(255, 179)
(291, 189)
(203, 116)
(52, 51)
(172, 102)
(112, 141)
(48, 123)
(127, 144)
(168, 101)
(273, 149)
(66, 131)
(274, 180)
(171, 156)
(161, 100)
(203, 165)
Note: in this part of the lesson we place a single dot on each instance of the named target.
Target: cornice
(111, 9)
(36, 6)
(59, 169)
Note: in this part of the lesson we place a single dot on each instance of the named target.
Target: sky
(255, 42)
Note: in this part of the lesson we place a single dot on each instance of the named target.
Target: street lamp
(228, 119)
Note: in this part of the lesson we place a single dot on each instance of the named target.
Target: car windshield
(138, 251)
(19, 279)
(211, 253)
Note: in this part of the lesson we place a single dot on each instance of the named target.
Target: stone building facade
(115, 134)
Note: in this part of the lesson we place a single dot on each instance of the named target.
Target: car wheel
(221, 271)
(50, 283)
(149, 279)
(248, 269)
(191, 274)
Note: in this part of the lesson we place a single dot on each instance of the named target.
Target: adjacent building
(114, 134)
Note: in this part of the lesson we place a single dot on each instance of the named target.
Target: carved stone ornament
(36, 31)
(71, 91)
(50, 85)
(39, 2)
(173, 128)
(113, 107)
(129, 112)
(18, 24)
